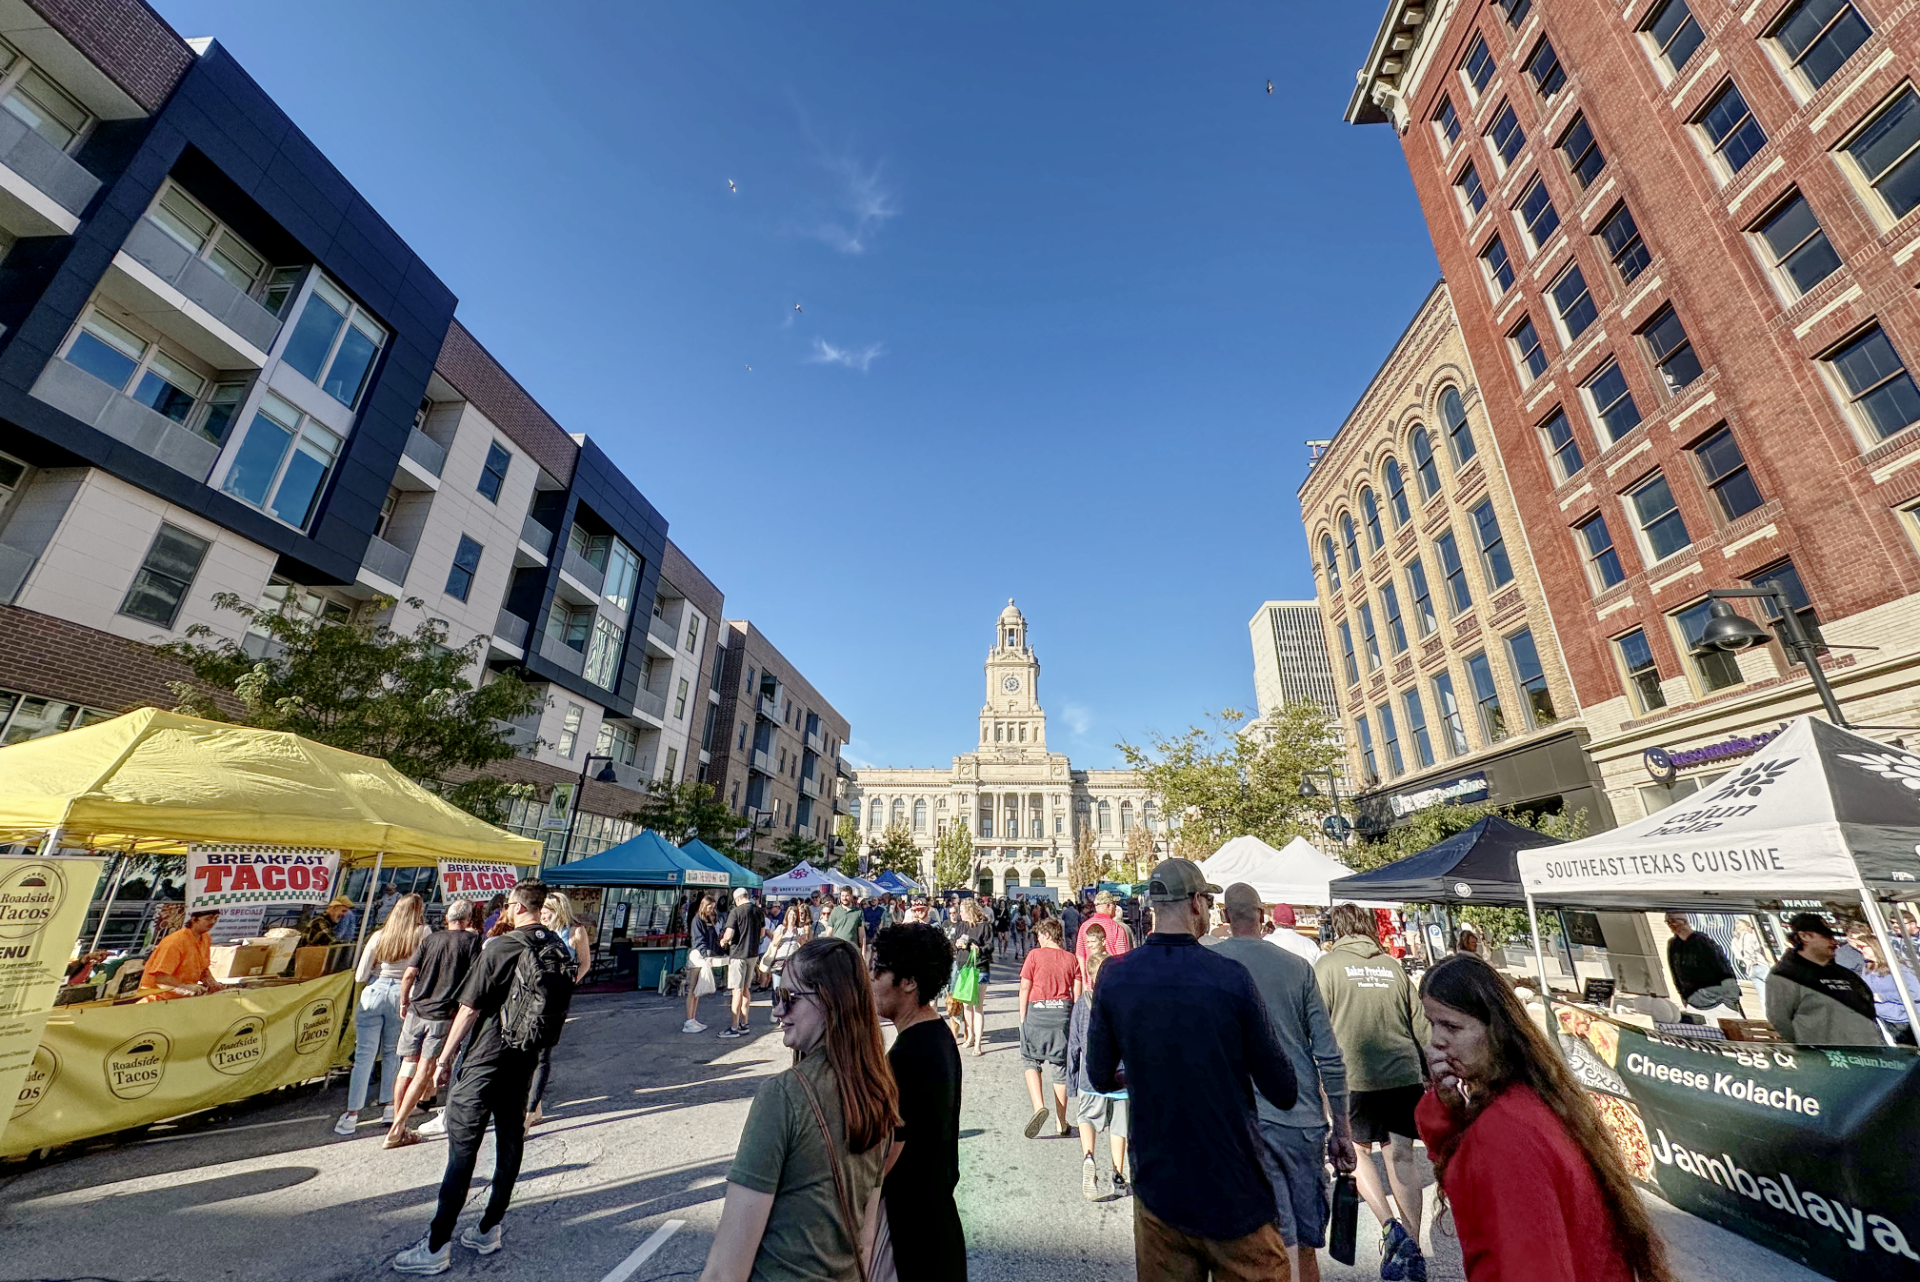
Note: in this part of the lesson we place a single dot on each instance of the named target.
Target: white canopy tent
(1296, 875)
(803, 879)
(1820, 813)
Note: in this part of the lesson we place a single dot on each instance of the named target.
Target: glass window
(1331, 561)
(1486, 698)
(1390, 610)
(1797, 249)
(1498, 266)
(1505, 136)
(1672, 350)
(1423, 621)
(466, 564)
(334, 343)
(1643, 675)
(693, 632)
(161, 583)
(1370, 769)
(1537, 214)
(1544, 68)
(1625, 250)
(1493, 547)
(1417, 728)
(1713, 669)
(1370, 513)
(1350, 535)
(1798, 601)
(1473, 196)
(1611, 403)
(1817, 36)
(1582, 153)
(1448, 708)
(1730, 127)
(107, 350)
(168, 387)
(1451, 569)
(222, 406)
(314, 333)
(1726, 474)
(283, 463)
(493, 473)
(570, 730)
(1885, 149)
(1532, 679)
(622, 576)
(1459, 432)
(603, 653)
(46, 109)
(1397, 494)
(1369, 641)
(1446, 122)
(1346, 653)
(1603, 559)
(1659, 518)
(1477, 67)
(1390, 739)
(1516, 11)
(1527, 351)
(1572, 303)
(1877, 383)
(183, 219)
(1674, 33)
(1423, 465)
(1561, 445)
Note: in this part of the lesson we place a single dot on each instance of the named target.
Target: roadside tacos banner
(223, 876)
(43, 903)
(467, 879)
(1807, 1150)
(100, 1069)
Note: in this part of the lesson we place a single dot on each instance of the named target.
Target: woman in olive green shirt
(782, 1218)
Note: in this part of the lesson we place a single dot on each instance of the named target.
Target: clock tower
(1012, 721)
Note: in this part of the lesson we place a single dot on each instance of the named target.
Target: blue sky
(1074, 289)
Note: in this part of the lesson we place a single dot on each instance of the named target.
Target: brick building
(1680, 239)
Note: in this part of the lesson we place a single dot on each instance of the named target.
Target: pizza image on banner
(470, 879)
(231, 876)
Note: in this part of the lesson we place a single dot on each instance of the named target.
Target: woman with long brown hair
(803, 1193)
(376, 1015)
(703, 950)
(1537, 1186)
(973, 941)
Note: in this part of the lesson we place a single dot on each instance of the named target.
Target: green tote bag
(966, 984)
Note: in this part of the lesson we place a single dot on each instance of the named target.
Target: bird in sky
(797, 307)
(736, 191)
(749, 369)
(1269, 90)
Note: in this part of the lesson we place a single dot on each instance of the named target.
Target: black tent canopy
(1478, 865)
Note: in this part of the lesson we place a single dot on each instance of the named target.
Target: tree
(953, 858)
(406, 698)
(1087, 867)
(1137, 858)
(1225, 782)
(894, 852)
(847, 833)
(686, 810)
(795, 849)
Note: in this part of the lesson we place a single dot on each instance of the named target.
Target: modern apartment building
(1452, 683)
(1290, 661)
(1683, 251)
(222, 372)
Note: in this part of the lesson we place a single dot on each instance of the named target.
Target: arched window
(899, 811)
(1126, 816)
(920, 815)
(873, 815)
(1459, 432)
(1036, 878)
(1013, 880)
(1397, 494)
(1370, 510)
(1423, 464)
(1149, 817)
(1106, 817)
(1332, 561)
(1350, 536)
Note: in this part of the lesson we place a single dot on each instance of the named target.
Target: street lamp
(606, 775)
(1729, 630)
(1335, 825)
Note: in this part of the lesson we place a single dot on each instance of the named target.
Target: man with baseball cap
(1193, 1033)
(1815, 1001)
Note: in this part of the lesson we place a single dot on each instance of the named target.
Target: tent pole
(1540, 962)
(1893, 959)
(366, 922)
(113, 891)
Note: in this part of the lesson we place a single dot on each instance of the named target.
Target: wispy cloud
(825, 353)
(863, 204)
(854, 760)
(1078, 719)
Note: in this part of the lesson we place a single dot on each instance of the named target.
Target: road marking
(627, 1267)
(229, 1130)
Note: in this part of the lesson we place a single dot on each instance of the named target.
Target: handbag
(1345, 1224)
(966, 984)
(883, 1238)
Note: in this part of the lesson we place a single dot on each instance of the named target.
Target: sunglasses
(786, 997)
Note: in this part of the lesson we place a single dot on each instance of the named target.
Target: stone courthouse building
(1024, 804)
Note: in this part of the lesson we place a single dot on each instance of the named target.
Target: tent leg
(366, 920)
(113, 892)
(1540, 963)
(1899, 978)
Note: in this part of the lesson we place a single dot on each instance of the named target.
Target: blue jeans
(376, 1034)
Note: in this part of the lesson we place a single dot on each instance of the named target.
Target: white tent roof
(804, 878)
(1297, 875)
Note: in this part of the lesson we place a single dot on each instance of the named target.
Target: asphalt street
(622, 1184)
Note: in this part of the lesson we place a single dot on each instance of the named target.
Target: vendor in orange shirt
(182, 965)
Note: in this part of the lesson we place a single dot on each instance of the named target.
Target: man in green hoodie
(1382, 1028)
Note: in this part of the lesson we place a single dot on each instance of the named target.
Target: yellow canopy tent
(155, 781)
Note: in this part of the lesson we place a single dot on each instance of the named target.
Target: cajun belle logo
(1748, 783)
(29, 896)
(1899, 767)
(134, 1067)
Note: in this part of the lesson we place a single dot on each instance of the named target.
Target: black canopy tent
(1477, 865)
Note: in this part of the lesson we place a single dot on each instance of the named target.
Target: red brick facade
(1832, 488)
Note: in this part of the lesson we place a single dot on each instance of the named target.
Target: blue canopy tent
(896, 883)
(736, 874)
(643, 902)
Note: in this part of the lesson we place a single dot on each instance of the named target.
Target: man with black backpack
(516, 996)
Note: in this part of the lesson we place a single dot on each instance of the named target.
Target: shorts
(1297, 1158)
(1101, 1112)
(422, 1038)
(1043, 1037)
(1378, 1114)
(737, 970)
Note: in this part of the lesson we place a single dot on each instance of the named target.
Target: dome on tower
(1012, 613)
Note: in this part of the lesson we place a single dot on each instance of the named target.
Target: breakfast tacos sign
(1806, 1150)
(43, 903)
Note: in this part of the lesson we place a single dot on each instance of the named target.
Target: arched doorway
(1037, 878)
(986, 882)
(1012, 880)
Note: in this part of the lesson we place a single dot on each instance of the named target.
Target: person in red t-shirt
(1119, 938)
(1538, 1188)
(1049, 983)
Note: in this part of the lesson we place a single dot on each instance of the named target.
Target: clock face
(1010, 684)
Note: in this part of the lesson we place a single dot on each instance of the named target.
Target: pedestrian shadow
(175, 1197)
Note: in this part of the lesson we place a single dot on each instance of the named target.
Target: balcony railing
(387, 561)
(45, 166)
(172, 262)
(816, 742)
(512, 629)
(562, 655)
(70, 388)
(662, 631)
(653, 705)
(763, 761)
(426, 451)
(15, 565)
(769, 707)
(585, 571)
(536, 536)
(521, 734)
(810, 785)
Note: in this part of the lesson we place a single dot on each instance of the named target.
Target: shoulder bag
(966, 984)
(882, 1267)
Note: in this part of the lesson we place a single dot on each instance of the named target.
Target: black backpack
(535, 1012)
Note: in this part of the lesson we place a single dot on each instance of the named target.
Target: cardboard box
(310, 962)
(236, 961)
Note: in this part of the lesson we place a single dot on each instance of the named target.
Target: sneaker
(347, 1124)
(386, 1115)
(1416, 1264)
(486, 1243)
(1035, 1122)
(418, 1258)
(730, 1033)
(1120, 1186)
(1089, 1180)
(1393, 1241)
(693, 1026)
(435, 1127)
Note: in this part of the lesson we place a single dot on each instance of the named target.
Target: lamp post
(606, 775)
(1336, 824)
(1729, 630)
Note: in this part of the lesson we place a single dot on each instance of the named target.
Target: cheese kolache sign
(467, 879)
(223, 877)
(1803, 1149)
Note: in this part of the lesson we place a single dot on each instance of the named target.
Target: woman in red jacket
(1538, 1190)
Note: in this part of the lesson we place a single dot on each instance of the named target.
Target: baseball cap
(1283, 915)
(1175, 879)
(1812, 923)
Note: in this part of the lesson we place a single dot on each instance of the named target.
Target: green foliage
(794, 849)
(686, 810)
(847, 832)
(895, 852)
(953, 858)
(406, 698)
(1221, 782)
(1087, 867)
